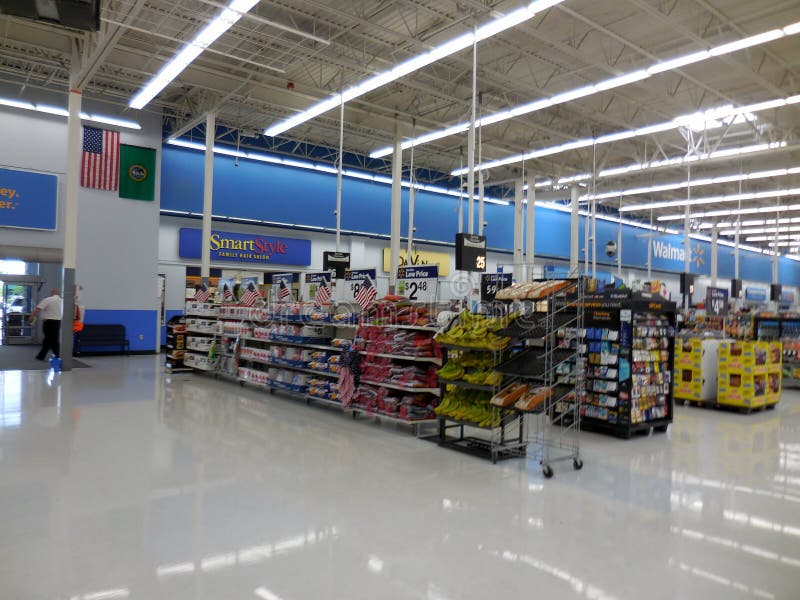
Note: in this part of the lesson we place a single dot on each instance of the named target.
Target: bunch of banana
(476, 360)
(451, 370)
(494, 378)
(478, 376)
(468, 405)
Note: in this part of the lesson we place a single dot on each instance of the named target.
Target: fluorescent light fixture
(351, 173)
(733, 211)
(110, 121)
(769, 238)
(751, 223)
(759, 230)
(694, 183)
(723, 115)
(602, 86)
(63, 112)
(713, 200)
(437, 53)
(204, 38)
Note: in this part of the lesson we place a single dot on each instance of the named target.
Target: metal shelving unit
(545, 360)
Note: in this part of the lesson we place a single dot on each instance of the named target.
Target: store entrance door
(19, 297)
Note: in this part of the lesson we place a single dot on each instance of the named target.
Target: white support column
(411, 195)
(518, 229)
(471, 141)
(619, 241)
(339, 171)
(397, 202)
(73, 179)
(481, 217)
(775, 265)
(714, 254)
(650, 248)
(530, 232)
(587, 226)
(574, 232)
(71, 221)
(208, 198)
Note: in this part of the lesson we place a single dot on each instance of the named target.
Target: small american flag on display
(283, 291)
(202, 294)
(250, 295)
(100, 159)
(227, 293)
(323, 294)
(366, 293)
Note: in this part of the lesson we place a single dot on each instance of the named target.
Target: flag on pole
(250, 294)
(202, 293)
(323, 294)
(366, 293)
(100, 159)
(227, 292)
(283, 291)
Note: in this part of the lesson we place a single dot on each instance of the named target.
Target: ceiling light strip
(300, 164)
(711, 118)
(433, 55)
(733, 212)
(204, 38)
(676, 185)
(712, 200)
(63, 112)
(602, 86)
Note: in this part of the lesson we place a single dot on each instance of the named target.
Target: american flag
(100, 159)
(283, 291)
(202, 293)
(250, 294)
(366, 293)
(323, 294)
(227, 292)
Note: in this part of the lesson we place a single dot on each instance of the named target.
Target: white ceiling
(258, 73)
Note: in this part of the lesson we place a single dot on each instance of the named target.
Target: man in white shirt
(50, 309)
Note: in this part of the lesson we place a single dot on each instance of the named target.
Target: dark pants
(52, 330)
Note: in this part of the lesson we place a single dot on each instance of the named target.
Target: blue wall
(136, 322)
(288, 195)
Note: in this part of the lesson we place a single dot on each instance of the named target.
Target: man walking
(50, 308)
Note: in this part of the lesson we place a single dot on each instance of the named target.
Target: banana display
(468, 405)
(477, 331)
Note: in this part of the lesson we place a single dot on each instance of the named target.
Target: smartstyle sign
(245, 247)
(28, 199)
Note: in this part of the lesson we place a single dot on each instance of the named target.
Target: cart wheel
(661, 428)
(547, 471)
(577, 464)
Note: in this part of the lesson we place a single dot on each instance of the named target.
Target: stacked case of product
(202, 329)
(398, 368)
(750, 374)
(696, 363)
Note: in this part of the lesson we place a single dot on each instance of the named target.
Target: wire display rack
(552, 361)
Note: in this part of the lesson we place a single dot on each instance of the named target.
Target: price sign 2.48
(418, 283)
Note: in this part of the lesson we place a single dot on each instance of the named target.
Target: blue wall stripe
(137, 323)
(283, 194)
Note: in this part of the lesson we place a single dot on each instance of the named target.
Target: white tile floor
(120, 482)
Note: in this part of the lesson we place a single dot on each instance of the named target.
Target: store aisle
(120, 482)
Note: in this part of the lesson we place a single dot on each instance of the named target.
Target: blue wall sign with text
(246, 247)
(28, 200)
(755, 294)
